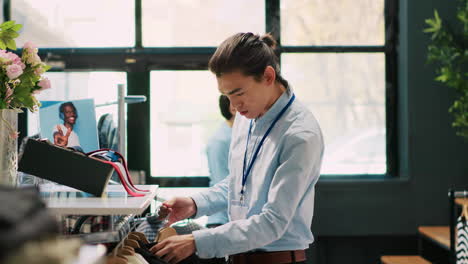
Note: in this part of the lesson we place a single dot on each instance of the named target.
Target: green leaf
(434, 23)
(11, 44)
(7, 24)
(17, 27)
(437, 17)
(441, 78)
(430, 22)
(10, 34)
(2, 45)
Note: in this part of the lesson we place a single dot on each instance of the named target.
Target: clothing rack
(120, 227)
(123, 99)
(453, 214)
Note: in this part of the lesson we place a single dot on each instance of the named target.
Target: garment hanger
(133, 237)
(122, 252)
(165, 233)
(132, 243)
(464, 212)
(141, 237)
(129, 248)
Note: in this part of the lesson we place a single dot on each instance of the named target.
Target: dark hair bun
(269, 40)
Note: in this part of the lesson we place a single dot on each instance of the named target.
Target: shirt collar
(275, 109)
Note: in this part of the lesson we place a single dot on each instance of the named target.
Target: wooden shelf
(438, 234)
(403, 260)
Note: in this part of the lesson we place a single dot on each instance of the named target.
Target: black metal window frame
(139, 61)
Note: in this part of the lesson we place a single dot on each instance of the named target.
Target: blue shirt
(217, 152)
(279, 192)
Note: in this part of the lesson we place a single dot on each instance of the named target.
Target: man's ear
(269, 75)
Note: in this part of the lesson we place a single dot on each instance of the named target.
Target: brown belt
(274, 257)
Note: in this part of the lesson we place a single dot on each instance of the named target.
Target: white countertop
(166, 193)
(63, 200)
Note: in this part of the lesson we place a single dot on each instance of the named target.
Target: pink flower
(33, 59)
(13, 57)
(39, 71)
(4, 58)
(44, 84)
(29, 46)
(14, 71)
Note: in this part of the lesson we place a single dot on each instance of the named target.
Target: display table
(63, 200)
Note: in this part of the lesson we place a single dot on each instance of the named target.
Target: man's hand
(175, 249)
(60, 138)
(178, 209)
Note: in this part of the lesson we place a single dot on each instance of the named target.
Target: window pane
(84, 23)
(346, 93)
(182, 23)
(2, 16)
(101, 86)
(184, 114)
(332, 22)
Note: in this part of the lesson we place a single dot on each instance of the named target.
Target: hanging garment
(462, 240)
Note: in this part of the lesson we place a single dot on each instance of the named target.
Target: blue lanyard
(245, 173)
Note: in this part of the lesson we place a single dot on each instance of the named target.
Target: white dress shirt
(278, 208)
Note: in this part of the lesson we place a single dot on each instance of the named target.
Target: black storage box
(65, 166)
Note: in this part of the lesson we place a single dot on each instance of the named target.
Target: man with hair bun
(275, 158)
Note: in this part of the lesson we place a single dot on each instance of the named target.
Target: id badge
(238, 210)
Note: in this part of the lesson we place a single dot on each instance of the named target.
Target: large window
(199, 23)
(345, 90)
(334, 57)
(336, 22)
(84, 23)
(338, 55)
(346, 93)
(184, 114)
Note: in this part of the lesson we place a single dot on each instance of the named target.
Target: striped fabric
(462, 240)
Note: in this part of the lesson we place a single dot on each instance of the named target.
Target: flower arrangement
(20, 77)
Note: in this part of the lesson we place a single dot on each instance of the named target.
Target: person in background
(64, 135)
(275, 158)
(217, 152)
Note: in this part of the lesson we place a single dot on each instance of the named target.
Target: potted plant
(448, 49)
